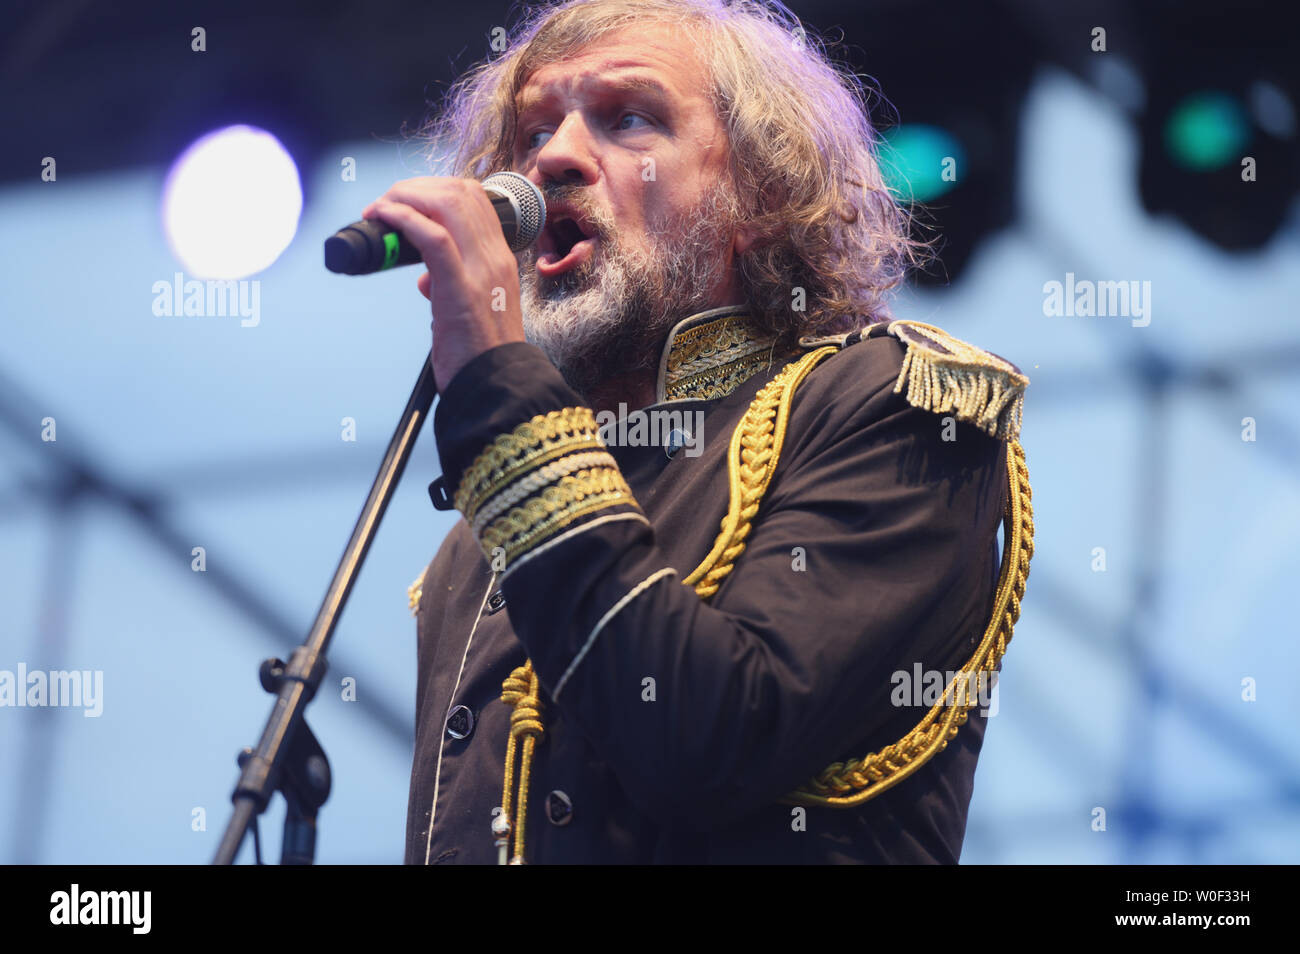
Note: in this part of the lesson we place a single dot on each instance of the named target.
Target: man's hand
(472, 280)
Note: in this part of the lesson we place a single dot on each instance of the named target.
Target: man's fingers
(433, 241)
(425, 284)
(458, 205)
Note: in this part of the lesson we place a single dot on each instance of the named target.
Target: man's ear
(744, 240)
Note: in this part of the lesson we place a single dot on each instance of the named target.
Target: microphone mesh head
(527, 199)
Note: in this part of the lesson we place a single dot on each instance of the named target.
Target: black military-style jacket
(672, 725)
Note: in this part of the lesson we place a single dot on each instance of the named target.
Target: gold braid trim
(711, 360)
(520, 691)
(752, 458)
(519, 450)
(751, 461)
(553, 507)
(847, 784)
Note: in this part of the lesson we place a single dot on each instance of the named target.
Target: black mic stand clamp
(305, 778)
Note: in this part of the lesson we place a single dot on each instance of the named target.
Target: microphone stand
(289, 759)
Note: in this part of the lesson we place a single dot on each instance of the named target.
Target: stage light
(921, 162)
(950, 135)
(1207, 130)
(231, 203)
(1219, 149)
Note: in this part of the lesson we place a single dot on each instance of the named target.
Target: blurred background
(176, 489)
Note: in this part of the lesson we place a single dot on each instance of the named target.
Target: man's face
(627, 147)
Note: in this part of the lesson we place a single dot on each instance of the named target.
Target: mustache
(582, 199)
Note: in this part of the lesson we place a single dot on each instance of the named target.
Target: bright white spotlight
(231, 203)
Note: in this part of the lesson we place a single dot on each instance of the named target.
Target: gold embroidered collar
(710, 354)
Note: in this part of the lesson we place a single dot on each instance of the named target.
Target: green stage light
(921, 162)
(1206, 131)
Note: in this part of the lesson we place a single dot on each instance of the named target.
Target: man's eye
(533, 142)
(624, 124)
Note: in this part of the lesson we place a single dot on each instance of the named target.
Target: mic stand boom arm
(288, 758)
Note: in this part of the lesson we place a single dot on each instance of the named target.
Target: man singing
(770, 636)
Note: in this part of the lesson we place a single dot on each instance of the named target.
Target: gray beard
(611, 316)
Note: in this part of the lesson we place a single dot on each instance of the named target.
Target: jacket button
(495, 602)
(676, 441)
(559, 808)
(460, 722)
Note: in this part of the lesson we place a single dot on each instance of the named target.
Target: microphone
(370, 245)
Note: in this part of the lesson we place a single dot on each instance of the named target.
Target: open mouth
(564, 244)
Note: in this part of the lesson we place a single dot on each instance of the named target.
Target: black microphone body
(370, 245)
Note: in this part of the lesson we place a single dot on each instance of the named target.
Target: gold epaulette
(941, 374)
(946, 375)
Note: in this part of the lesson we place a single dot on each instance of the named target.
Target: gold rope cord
(755, 449)
(751, 461)
(520, 690)
(846, 784)
(414, 592)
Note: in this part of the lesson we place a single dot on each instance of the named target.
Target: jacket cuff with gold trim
(520, 453)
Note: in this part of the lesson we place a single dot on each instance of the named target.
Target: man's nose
(568, 156)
